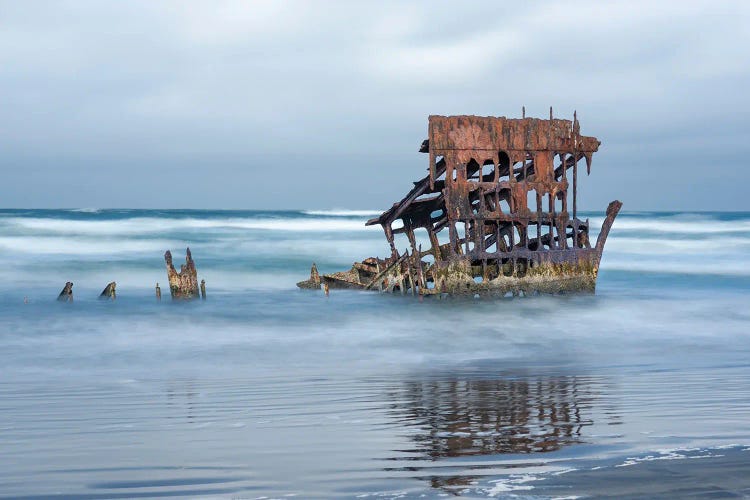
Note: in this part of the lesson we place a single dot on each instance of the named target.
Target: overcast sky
(243, 104)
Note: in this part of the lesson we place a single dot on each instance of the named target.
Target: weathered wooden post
(158, 292)
(203, 289)
(109, 291)
(67, 293)
(182, 285)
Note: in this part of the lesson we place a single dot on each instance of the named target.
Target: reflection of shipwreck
(462, 418)
(454, 418)
(501, 188)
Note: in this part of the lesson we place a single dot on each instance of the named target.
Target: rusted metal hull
(552, 272)
(504, 191)
(460, 277)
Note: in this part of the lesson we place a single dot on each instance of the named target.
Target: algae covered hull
(499, 209)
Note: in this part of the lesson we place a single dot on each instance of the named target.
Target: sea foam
(143, 225)
(344, 213)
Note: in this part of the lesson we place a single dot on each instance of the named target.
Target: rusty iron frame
(482, 173)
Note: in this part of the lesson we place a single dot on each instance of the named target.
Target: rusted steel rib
(612, 210)
(378, 278)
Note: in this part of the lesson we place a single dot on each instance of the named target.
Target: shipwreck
(497, 213)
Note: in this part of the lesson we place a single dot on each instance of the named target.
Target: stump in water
(109, 291)
(67, 293)
(182, 285)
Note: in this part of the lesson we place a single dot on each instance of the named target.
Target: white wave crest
(515, 482)
(677, 224)
(145, 225)
(343, 213)
(677, 246)
(85, 210)
(30, 245)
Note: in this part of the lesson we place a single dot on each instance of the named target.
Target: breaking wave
(683, 246)
(46, 245)
(694, 224)
(143, 225)
(85, 210)
(344, 213)
(286, 243)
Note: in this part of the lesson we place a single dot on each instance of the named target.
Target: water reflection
(447, 418)
(453, 418)
(181, 394)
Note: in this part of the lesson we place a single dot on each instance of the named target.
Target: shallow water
(264, 390)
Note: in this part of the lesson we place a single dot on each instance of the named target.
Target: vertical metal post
(538, 221)
(575, 196)
(480, 242)
(389, 236)
(412, 240)
(466, 237)
(551, 207)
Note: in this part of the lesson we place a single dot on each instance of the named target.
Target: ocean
(267, 391)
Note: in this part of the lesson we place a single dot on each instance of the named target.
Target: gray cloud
(282, 104)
